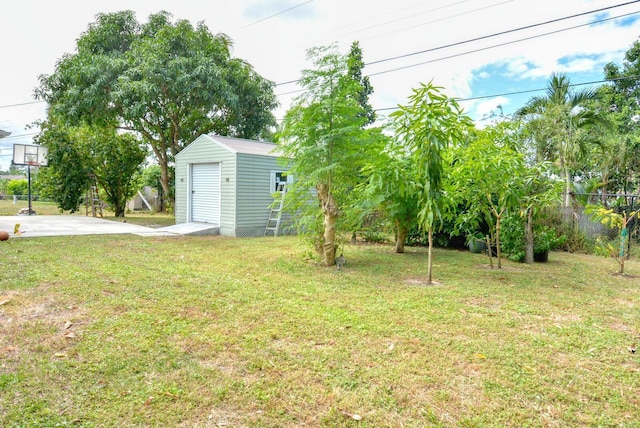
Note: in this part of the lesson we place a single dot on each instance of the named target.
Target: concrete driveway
(58, 225)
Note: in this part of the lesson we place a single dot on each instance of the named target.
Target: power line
(480, 49)
(22, 104)
(502, 44)
(527, 27)
(408, 17)
(276, 14)
(440, 19)
(528, 91)
(490, 36)
(14, 137)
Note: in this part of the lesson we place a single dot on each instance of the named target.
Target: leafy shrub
(545, 238)
(18, 187)
(512, 237)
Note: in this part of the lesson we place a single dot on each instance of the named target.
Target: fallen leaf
(168, 394)
(67, 325)
(391, 346)
(70, 335)
(354, 416)
(481, 356)
(4, 302)
(60, 355)
(149, 400)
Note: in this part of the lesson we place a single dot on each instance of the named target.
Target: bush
(545, 238)
(512, 237)
(18, 187)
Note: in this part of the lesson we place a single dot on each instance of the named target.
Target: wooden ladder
(273, 223)
(93, 201)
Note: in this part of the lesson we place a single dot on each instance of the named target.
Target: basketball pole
(29, 185)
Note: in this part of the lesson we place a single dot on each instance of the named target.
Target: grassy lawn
(142, 218)
(208, 332)
(7, 207)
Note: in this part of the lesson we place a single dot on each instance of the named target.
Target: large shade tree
(165, 80)
(323, 134)
(559, 123)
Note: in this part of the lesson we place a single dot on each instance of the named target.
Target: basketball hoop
(29, 155)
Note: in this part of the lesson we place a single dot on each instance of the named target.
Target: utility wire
(504, 32)
(494, 35)
(501, 44)
(484, 48)
(276, 14)
(22, 104)
(528, 91)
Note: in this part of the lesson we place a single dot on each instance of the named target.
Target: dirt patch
(625, 275)
(422, 282)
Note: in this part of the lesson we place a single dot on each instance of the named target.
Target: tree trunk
(330, 212)
(119, 210)
(430, 262)
(498, 251)
(165, 180)
(401, 236)
(528, 237)
(567, 184)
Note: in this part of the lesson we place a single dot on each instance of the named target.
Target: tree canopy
(80, 157)
(165, 80)
(559, 123)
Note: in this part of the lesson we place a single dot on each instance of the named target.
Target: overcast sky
(435, 39)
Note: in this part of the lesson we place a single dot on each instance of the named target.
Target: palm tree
(558, 123)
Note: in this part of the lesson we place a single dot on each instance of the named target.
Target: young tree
(427, 126)
(615, 220)
(166, 81)
(485, 175)
(393, 187)
(323, 136)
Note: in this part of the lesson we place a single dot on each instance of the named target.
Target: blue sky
(274, 35)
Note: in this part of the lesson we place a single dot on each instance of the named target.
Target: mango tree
(393, 188)
(485, 178)
(427, 127)
(165, 81)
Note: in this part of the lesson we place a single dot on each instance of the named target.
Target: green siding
(253, 193)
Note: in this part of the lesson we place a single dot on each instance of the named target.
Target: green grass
(142, 218)
(7, 207)
(209, 331)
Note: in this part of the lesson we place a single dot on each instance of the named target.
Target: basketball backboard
(25, 154)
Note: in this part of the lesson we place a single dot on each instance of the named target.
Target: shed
(227, 182)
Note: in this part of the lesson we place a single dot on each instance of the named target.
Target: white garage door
(205, 193)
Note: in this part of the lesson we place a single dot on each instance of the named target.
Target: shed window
(279, 178)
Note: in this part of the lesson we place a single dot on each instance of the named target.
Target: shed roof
(238, 145)
(250, 147)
